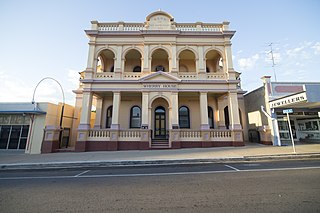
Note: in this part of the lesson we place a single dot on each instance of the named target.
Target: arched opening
(109, 117)
(160, 61)
(226, 117)
(187, 61)
(132, 61)
(160, 121)
(160, 130)
(135, 117)
(184, 117)
(210, 117)
(105, 61)
(214, 62)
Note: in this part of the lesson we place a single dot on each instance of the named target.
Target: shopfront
(304, 119)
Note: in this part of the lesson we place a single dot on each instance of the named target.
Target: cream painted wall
(131, 63)
(193, 104)
(190, 64)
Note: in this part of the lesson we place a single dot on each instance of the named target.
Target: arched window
(210, 117)
(184, 117)
(109, 117)
(226, 117)
(136, 69)
(135, 117)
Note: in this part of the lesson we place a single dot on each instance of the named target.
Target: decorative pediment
(159, 20)
(160, 77)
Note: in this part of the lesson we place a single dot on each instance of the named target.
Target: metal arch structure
(47, 78)
(63, 103)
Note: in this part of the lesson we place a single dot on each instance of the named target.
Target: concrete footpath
(12, 159)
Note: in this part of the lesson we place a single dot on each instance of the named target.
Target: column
(88, 73)
(146, 59)
(228, 53)
(204, 111)
(174, 67)
(201, 61)
(86, 111)
(175, 110)
(116, 110)
(234, 111)
(145, 111)
(97, 123)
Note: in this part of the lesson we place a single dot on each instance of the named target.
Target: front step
(69, 149)
(160, 144)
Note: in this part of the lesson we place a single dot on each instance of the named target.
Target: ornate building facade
(159, 84)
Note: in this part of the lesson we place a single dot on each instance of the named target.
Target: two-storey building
(159, 84)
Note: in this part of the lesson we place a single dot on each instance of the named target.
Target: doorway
(160, 122)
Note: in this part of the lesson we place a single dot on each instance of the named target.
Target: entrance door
(160, 122)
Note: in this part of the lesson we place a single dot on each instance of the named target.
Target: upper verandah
(160, 20)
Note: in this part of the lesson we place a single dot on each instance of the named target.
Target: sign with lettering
(287, 111)
(159, 22)
(297, 98)
(159, 86)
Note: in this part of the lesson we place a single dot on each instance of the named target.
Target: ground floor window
(210, 117)
(109, 117)
(184, 117)
(13, 136)
(135, 117)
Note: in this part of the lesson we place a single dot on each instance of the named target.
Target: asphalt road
(284, 186)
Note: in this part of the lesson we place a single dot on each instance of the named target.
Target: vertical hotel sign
(292, 99)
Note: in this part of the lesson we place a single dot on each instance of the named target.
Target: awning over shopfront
(20, 108)
(308, 99)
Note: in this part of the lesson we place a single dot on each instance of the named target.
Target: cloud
(316, 48)
(248, 63)
(13, 89)
(16, 89)
(73, 77)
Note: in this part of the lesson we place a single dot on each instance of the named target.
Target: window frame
(109, 118)
(132, 117)
(187, 116)
(210, 110)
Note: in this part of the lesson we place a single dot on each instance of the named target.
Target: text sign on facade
(287, 111)
(289, 100)
(157, 86)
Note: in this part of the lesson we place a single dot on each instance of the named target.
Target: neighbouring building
(159, 84)
(35, 128)
(301, 98)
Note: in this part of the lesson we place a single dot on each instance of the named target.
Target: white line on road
(231, 167)
(82, 173)
(158, 174)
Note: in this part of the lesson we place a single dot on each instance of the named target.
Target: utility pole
(273, 64)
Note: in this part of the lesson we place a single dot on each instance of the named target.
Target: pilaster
(116, 110)
(145, 111)
(204, 110)
(175, 110)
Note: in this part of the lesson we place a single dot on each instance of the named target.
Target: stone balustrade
(131, 75)
(183, 134)
(121, 26)
(98, 134)
(187, 76)
(129, 135)
(105, 75)
(211, 76)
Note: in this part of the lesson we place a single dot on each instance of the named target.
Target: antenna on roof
(273, 64)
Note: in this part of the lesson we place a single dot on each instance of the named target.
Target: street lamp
(63, 102)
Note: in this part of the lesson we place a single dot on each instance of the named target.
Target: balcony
(185, 27)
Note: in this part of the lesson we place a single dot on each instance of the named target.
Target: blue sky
(46, 38)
